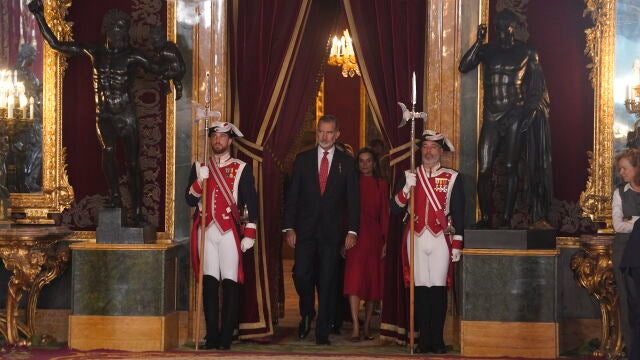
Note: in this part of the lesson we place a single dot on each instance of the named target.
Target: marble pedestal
(111, 231)
(509, 303)
(124, 297)
(517, 239)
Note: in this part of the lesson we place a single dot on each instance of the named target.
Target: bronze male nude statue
(114, 65)
(516, 112)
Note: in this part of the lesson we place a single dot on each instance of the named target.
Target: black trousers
(431, 312)
(316, 262)
(632, 282)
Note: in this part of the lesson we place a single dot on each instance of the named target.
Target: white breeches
(431, 259)
(220, 254)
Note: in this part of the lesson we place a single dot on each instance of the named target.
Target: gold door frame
(56, 194)
(596, 198)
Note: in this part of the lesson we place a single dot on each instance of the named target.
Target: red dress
(364, 269)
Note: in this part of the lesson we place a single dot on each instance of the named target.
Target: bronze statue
(114, 66)
(167, 53)
(516, 113)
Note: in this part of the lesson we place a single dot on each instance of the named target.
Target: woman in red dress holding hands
(364, 267)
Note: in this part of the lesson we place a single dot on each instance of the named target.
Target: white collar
(329, 152)
(433, 169)
(224, 159)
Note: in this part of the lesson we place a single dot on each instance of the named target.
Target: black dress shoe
(439, 350)
(224, 347)
(208, 346)
(304, 327)
(323, 342)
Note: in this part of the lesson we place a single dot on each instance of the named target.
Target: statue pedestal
(509, 303)
(124, 297)
(111, 231)
(516, 239)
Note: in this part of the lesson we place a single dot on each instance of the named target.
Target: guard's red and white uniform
(432, 254)
(222, 245)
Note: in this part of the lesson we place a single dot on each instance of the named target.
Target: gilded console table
(35, 256)
(593, 270)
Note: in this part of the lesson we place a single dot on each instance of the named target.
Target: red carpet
(63, 353)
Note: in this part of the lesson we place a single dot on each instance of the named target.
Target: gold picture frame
(56, 194)
(595, 200)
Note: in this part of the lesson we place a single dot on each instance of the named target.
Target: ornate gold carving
(596, 198)
(509, 252)
(34, 256)
(170, 146)
(567, 242)
(56, 193)
(593, 270)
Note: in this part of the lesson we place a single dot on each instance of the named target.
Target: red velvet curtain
(262, 37)
(298, 102)
(390, 39)
(276, 50)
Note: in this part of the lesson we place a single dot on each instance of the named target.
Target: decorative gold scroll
(596, 198)
(56, 193)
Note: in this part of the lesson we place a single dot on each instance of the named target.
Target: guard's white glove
(203, 173)
(455, 255)
(634, 218)
(246, 244)
(409, 181)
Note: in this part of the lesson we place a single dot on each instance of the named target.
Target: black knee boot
(230, 304)
(438, 297)
(422, 308)
(210, 300)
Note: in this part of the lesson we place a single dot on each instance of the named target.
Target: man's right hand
(36, 7)
(482, 32)
(409, 181)
(290, 236)
(203, 173)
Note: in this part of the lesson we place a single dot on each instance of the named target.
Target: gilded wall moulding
(596, 198)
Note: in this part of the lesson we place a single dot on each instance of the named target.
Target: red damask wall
(556, 30)
(79, 127)
(342, 99)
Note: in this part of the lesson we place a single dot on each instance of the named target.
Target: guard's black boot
(210, 300)
(230, 304)
(423, 318)
(438, 299)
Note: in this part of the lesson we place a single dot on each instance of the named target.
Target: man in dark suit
(324, 184)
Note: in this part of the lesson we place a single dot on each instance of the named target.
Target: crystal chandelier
(13, 101)
(632, 103)
(342, 55)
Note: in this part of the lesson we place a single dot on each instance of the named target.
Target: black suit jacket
(308, 212)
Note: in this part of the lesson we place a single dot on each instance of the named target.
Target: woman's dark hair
(376, 165)
(633, 156)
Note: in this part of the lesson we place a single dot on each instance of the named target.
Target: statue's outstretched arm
(68, 48)
(148, 65)
(472, 57)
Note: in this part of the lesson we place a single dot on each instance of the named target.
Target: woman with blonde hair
(625, 210)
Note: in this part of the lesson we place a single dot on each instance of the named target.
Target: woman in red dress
(364, 267)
